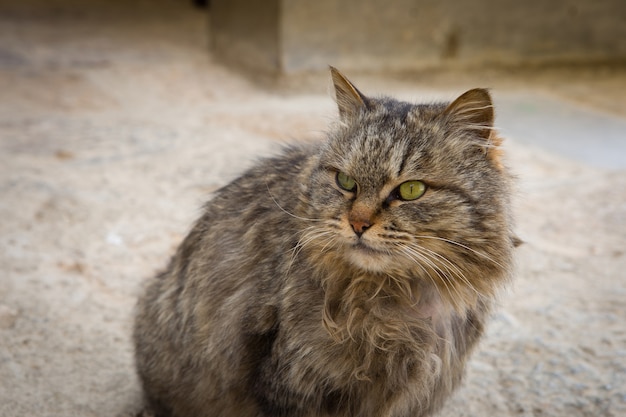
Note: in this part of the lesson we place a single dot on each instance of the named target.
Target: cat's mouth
(365, 248)
(368, 257)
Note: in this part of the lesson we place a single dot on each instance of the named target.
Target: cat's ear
(473, 110)
(349, 100)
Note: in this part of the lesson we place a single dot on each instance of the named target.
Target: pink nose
(360, 226)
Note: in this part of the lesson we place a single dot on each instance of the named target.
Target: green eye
(346, 182)
(411, 190)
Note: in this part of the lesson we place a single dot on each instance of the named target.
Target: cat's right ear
(349, 99)
(473, 110)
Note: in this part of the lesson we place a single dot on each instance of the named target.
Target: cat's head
(412, 190)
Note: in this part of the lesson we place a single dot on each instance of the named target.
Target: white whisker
(285, 211)
(445, 278)
(447, 264)
(417, 258)
(452, 242)
(311, 234)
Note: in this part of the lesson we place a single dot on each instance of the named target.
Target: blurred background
(290, 36)
(118, 119)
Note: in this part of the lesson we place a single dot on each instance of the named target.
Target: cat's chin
(367, 258)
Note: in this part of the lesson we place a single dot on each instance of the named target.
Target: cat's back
(246, 225)
(228, 264)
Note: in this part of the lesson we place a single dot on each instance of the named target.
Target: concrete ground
(116, 124)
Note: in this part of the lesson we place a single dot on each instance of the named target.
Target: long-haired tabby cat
(347, 278)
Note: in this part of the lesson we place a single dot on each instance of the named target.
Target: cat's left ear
(473, 110)
(349, 99)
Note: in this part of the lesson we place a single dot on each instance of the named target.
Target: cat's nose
(361, 217)
(360, 226)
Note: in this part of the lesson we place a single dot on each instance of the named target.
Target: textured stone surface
(114, 128)
(291, 36)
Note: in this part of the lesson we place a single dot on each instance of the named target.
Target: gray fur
(272, 306)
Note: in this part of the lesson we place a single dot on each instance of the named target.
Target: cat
(346, 278)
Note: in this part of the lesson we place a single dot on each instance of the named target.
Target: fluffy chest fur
(391, 342)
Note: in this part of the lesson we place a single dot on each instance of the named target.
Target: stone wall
(293, 36)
